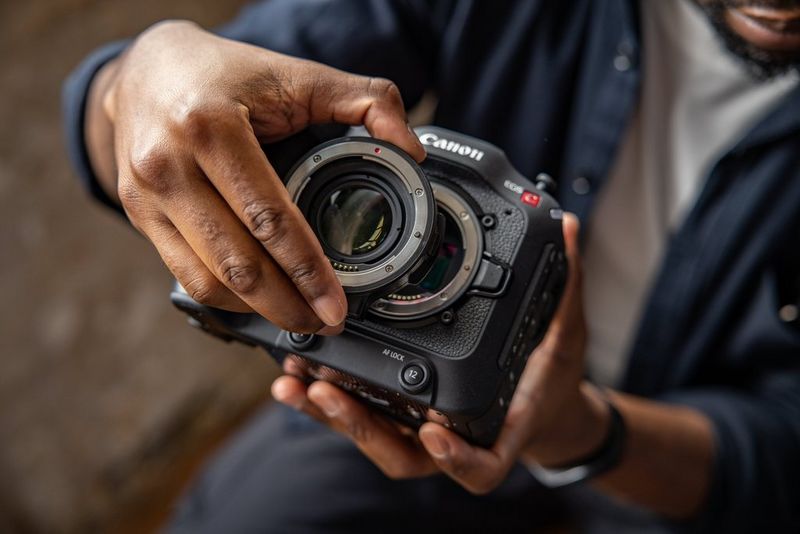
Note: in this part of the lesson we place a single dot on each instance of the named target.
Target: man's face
(764, 33)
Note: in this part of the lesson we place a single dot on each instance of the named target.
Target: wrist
(99, 129)
(604, 457)
(576, 434)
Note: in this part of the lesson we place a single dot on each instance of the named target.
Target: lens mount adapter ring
(415, 184)
(468, 224)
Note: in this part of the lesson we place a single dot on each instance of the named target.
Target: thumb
(337, 96)
(570, 310)
(571, 228)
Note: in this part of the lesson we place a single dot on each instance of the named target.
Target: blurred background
(108, 400)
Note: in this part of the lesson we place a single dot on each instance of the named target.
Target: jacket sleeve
(73, 109)
(757, 463)
(392, 39)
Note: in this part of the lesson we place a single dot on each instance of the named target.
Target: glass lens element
(355, 219)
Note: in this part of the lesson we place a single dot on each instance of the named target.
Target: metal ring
(416, 186)
(472, 239)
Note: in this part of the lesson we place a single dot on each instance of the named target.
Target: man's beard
(762, 64)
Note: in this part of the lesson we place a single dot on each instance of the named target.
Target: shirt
(697, 100)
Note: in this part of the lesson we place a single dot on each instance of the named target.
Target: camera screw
(488, 221)
(317, 158)
(389, 268)
(417, 234)
(447, 317)
(464, 215)
(419, 192)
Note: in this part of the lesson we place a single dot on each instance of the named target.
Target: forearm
(666, 463)
(99, 132)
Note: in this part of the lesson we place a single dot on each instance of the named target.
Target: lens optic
(355, 219)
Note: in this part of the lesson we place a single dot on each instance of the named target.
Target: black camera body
(445, 334)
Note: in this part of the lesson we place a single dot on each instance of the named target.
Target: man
(679, 154)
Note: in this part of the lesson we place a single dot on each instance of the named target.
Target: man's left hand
(554, 417)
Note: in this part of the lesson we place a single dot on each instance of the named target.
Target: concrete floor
(108, 401)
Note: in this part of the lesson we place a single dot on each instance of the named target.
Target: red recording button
(531, 199)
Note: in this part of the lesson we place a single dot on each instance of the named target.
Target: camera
(452, 269)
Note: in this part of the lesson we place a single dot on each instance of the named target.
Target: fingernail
(437, 446)
(280, 393)
(329, 309)
(329, 405)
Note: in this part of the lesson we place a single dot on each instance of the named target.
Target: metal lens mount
(356, 168)
(463, 232)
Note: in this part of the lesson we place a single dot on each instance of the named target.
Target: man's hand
(552, 418)
(187, 112)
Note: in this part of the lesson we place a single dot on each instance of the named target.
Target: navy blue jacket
(554, 84)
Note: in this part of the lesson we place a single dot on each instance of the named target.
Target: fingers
(571, 229)
(374, 102)
(336, 96)
(391, 449)
(291, 367)
(378, 438)
(188, 269)
(477, 469)
(234, 257)
(562, 332)
(239, 170)
(291, 391)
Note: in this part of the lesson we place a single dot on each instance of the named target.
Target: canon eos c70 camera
(452, 271)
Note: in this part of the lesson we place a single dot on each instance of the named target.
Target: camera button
(490, 277)
(301, 341)
(414, 377)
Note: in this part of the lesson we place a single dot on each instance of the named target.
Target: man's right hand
(174, 128)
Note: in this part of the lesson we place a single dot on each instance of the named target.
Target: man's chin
(764, 35)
